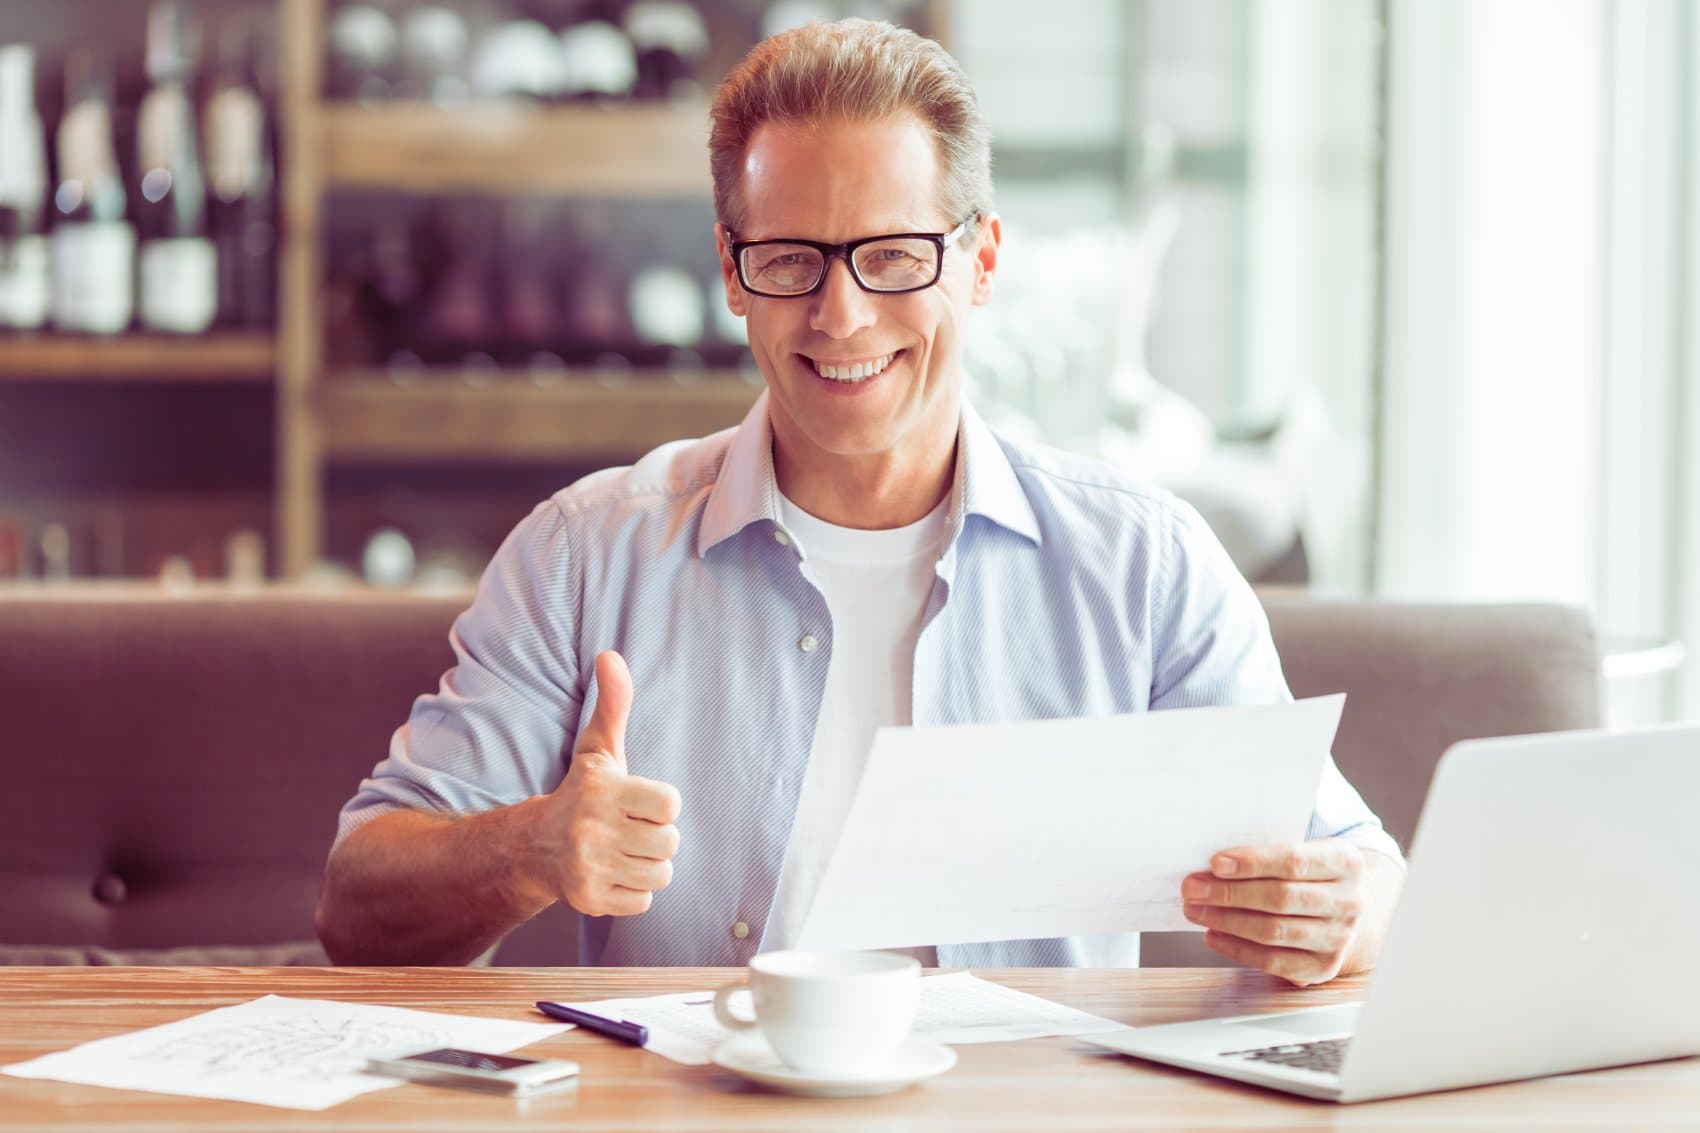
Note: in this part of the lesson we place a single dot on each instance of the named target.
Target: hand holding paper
(1292, 911)
(1061, 827)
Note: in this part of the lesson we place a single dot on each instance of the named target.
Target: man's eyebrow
(882, 230)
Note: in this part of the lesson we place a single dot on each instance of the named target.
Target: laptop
(1550, 923)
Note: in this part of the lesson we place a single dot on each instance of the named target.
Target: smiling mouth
(850, 373)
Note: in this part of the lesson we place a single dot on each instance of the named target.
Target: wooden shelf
(129, 532)
(367, 417)
(645, 150)
(363, 421)
(226, 356)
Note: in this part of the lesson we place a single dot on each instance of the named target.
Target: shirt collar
(747, 491)
(986, 482)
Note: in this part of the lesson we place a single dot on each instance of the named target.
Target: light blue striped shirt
(1067, 589)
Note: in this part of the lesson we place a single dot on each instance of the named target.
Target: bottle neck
(23, 164)
(17, 83)
(234, 133)
(88, 170)
(170, 53)
(88, 77)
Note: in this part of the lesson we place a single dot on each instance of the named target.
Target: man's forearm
(1382, 880)
(416, 888)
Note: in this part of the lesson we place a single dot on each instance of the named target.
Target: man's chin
(830, 440)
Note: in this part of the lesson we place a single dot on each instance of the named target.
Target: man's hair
(854, 71)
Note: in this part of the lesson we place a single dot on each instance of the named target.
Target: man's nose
(840, 308)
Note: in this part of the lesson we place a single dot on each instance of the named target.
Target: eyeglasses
(884, 265)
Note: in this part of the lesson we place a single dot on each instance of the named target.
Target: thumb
(606, 731)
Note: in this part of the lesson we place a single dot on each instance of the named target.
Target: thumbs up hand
(604, 840)
(602, 742)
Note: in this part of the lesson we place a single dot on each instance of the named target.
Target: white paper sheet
(293, 1053)
(1061, 827)
(955, 1008)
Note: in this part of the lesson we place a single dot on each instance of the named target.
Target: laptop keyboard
(1323, 1055)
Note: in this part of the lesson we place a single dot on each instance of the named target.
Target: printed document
(1048, 828)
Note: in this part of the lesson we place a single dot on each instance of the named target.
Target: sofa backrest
(171, 767)
(1418, 678)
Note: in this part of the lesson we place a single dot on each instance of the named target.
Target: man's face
(836, 182)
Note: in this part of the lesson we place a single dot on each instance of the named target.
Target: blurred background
(1400, 293)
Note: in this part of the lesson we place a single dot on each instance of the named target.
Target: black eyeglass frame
(846, 251)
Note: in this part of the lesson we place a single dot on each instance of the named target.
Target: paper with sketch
(1050, 828)
(956, 1008)
(293, 1053)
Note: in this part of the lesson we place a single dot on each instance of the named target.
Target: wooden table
(1043, 1084)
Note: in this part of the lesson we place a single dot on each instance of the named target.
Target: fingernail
(1192, 887)
(1224, 867)
(1193, 912)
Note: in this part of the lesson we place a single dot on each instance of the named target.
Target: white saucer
(749, 1056)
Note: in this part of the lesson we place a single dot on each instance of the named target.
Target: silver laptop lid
(1551, 921)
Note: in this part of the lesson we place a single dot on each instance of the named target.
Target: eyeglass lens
(884, 265)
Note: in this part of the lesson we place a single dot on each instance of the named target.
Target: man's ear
(986, 257)
(737, 299)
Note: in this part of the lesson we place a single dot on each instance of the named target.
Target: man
(668, 679)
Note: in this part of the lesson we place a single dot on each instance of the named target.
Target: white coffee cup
(829, 1012)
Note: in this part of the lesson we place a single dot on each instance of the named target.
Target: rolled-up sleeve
(498, 728)
(1213, 647)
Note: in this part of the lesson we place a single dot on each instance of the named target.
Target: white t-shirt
(876, 585)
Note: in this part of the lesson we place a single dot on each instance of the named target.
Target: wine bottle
(558, 14)
(25, 278)
(460, 316)
(433, 54)
(177, 280)
(240, 177)
(388, 559)
(245, 558)
(94, 246)
(594, 315)
(671, 40)
(519, 59)
(14, 565)
(783, 15)
(599, 62)
(527, 274)
(392, 294)
(56, 553)
(666, 306)
(363, 50)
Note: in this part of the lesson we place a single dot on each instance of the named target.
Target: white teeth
(854, 373)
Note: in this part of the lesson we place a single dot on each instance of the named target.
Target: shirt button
(740, 930)
(780, 537)
(807, 643)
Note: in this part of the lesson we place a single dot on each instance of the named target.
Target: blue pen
(623, 1029)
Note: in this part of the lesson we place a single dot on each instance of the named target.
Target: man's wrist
(1393, 857)
(525, 881)
(1384, 876)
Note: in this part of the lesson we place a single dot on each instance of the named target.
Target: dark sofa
(171, 766)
